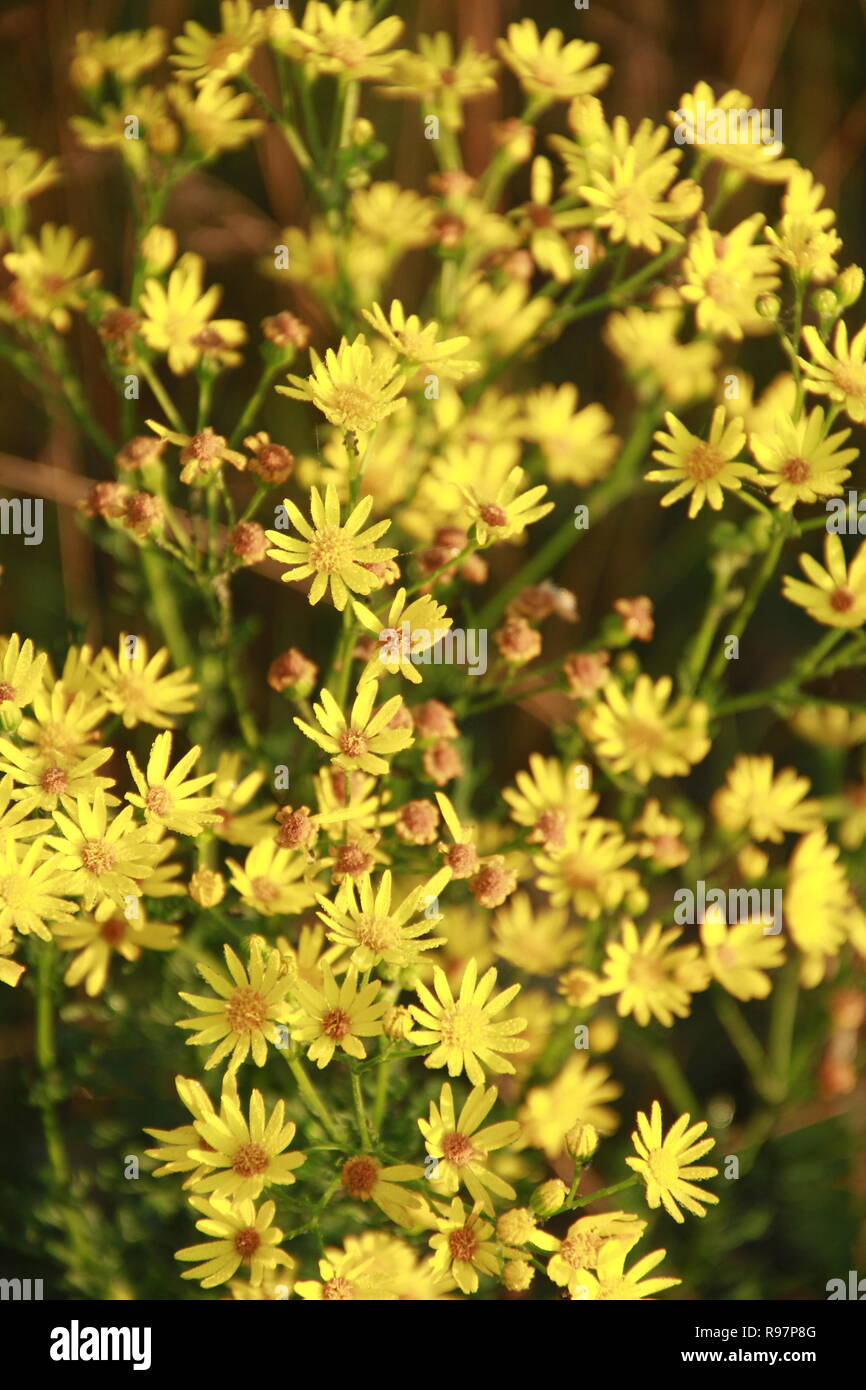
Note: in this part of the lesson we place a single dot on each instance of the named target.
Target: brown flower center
(336, 1024)
(158, 801)
(457, 1149)
(462, 1243)
(97, 857)
(492, 514)
(329, 550)
(841, 600)
(360, 1176)
(113, 930)
(246, 1010)
(353, 743)
(7, 692)
(796, 471)
(250, 1160)
(54, 781)
(247, 1242)
(337, 1289)
(703, 462)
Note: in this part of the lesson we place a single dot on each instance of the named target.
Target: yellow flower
(365, 1180)
(840, 374)
(819, 904)
(404, 635)
(801, 465)
(168, 798)
(274, 881)
(135, 688)
(548, 798)
(587, 869)
(102, 857)
(176, 315)
(24, 174)
(667, 1163)
(464, 1030)
(806, 240)
(836, 595)
(21, 674)
(215, 117)
(177, 1144)
(714, 126)
(48, 274)
(461, 1148)
(232, 792)
(647, 973)
(212, 58)
(725, 276)
(42, 783)
(645, 340)
(31, 885)
(504, 512)
(201, 454)
(352, 1273)
(337, 1015)
(360, 739)
(635, 208)
(241, 1235)
(398, 217)
(462, 1246)
(702, 468)
(15, 823)
(243, 1018)
(614, 1283)
(765, 805)
(240, 1156)
(376, 932)
(338, 555)
(740, 954)
(346, 42)
(98, 937)
(548, 67)
(577, 445)
(438, 76)
(352, 388)
(578, 1094)
(416, 342)
(537, 940)
(584, 1242)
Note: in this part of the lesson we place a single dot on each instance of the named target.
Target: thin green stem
(360, 1112)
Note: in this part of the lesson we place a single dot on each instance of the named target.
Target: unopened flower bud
(249, 542)
(849, 285)
(752, 862)
(207, 887)
(581, 1142)
(293, 673)
(397, 1022)
(549, 1198)
(517, 1276)
(769, 306)
(159, 248)
(825, 303)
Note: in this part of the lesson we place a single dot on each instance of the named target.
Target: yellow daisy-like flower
(42, 783)
(233, 791)
(504, 512)
(105, 858)
(612, 1282)
(584, 1242)
(436, 75)
(840, 374)
(577, 1095)
(740, 955)
(365, 1180)
(352, 1273)
(800, 464)
(62, 728)
(15, 820)
(537, 940)
(464, 1030)
(21, 673)
(376, 932)
(243, 1019)
(701, 467)
(200, 454)
(577, 445)
(667, 1163)
(399, 217)
(174, 316)
(726, 275)
(274, 881)
(646, 973)
(360, 740)
(547, 66)
(404, 634)
(25, 175)
(338, 554)
(212, 58)
(646, 342)
(240, 1156)
(337, 1015)
(766, 805)
(176, 1145)
(216, 117)
(819, 904)
(48, 274)
(346, 42)
(352, 388)
(548, 798)
(635, 208)
(31, 888)
(462, 1247)
(108, 931)
(729, 129)
(135, 688)
(641, 734)
(806, 239)
(461, 1148)
(836, 595)
(241, 1235)
(587, 870)
(415, 342)
(168, 798)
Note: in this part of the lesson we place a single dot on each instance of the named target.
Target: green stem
(313, 1098)
(156, 573)
(360, 1112)
(673, 1080)
(759, 583)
